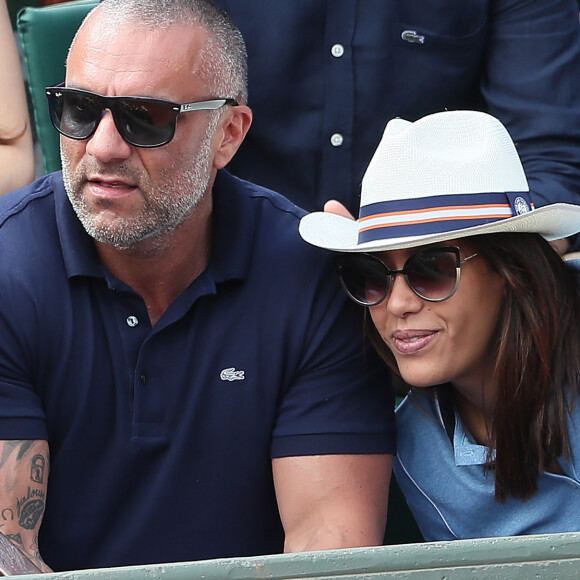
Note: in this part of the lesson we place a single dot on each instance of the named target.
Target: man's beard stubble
(164, 208)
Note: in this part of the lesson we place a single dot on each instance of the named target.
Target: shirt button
(337, 50)
(143, 379)
(132, 321)
(336, 140)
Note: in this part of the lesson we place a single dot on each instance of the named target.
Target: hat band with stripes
(437, 214)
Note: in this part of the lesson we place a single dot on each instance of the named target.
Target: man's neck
(160, 269)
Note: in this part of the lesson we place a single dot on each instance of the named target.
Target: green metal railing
(542, 556)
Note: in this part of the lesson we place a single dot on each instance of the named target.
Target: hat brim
(340, 234)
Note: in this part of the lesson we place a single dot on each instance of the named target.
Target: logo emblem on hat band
(436, 214)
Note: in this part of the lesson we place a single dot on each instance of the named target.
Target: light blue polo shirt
(452, 496)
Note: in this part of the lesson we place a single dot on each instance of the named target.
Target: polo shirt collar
(234, 228)
(232, 238)
(78, 250)
(467, 451)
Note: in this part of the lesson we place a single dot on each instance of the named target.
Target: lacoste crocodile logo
(232, 374)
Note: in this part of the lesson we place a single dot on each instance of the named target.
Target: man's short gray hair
(224, 59)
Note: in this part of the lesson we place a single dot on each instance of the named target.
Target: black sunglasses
(433, 274)
(141, 121)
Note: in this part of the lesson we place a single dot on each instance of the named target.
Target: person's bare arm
(16, 148)
(24, 467)
(332, 501)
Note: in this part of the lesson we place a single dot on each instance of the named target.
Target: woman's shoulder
(420, 423)
(418, 405)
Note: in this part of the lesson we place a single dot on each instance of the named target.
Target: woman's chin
(421, 380)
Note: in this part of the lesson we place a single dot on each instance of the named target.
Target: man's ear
(231, 133)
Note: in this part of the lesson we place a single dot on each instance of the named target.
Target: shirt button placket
(337, 50)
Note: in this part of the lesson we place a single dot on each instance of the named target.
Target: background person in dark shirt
(326, 75)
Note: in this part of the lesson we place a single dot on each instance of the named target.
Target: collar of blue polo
(438, 213)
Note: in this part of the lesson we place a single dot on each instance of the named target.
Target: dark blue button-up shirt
(325, 76)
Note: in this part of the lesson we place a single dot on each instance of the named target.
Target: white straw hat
(448, 175)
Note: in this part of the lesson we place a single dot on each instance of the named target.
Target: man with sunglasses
(175, 361)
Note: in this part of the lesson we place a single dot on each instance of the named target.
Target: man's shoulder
(248, 192)
(260, 222)
(29, 235)
(256, 238)
(20, 202)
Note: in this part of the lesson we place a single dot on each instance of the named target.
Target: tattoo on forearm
(7, 514)
(37, 469)
(10, 446)
(24, 467)
(30, 508)
(36, 553)
(16, 539)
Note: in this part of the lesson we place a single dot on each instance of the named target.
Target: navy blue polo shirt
(161, 438)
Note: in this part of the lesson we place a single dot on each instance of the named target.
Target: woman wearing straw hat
(467, 297)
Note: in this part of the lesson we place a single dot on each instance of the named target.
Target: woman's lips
(412, 341)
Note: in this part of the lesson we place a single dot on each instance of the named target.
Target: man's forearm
(24, 467)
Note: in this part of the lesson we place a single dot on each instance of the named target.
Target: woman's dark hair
(537, 367)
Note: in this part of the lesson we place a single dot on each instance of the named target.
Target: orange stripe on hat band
(457, 208)
(438, 214)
